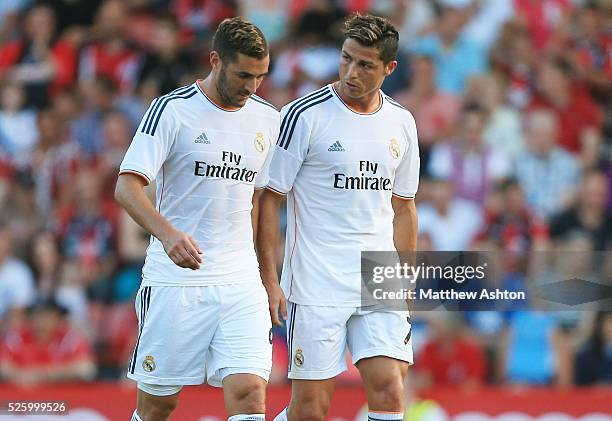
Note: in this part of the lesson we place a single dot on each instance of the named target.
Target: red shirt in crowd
(580, 113)
(542, 17)
(117, 64)
(65, 346)
(463, 360)
(64, 58)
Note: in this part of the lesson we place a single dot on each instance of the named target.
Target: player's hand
(276, 300)
(182, 249)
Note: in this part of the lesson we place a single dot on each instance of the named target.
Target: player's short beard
(222, 89)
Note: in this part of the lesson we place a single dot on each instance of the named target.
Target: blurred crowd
(512, 100)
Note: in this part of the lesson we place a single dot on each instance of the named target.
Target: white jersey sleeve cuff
(404, 196)
(139, 172)
(275, 190)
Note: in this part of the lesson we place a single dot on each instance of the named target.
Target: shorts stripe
(290, 335)
(145, 301)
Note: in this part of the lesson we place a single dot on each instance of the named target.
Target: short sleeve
(152, 142)
(263, 176)
(290, 151)
(406, 180)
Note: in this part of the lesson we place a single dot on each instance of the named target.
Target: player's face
(238, 79)
(361, 69)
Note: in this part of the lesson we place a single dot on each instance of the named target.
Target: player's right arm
(289, 154)
(143, 160)
(180, 247)
(267, 242)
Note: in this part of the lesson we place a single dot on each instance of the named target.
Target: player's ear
(390, 67)
(214, 58)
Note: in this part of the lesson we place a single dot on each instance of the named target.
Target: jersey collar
(382, 99)
(227, 110)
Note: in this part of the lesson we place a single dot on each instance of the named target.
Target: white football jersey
(206, 162)
(339, 168)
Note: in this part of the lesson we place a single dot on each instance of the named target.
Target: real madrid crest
(394, 149)
(299, 357)
(260, 144)
(148, 364)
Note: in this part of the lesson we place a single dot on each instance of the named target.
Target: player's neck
(209, 88)
(364, 105)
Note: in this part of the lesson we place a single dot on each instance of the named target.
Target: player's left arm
(405, 224)
(255, 213)
(263, 176)
(405, 185)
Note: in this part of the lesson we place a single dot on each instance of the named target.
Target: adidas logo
(202, 139)
(336, 147)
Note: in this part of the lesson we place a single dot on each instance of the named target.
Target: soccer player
(202, 308)
(347, 158)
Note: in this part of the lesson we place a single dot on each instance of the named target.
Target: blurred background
(512, 100)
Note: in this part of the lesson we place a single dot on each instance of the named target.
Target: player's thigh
(380, 334)
(244, 394)
(242, 342)
(176, 325)
(316, 341)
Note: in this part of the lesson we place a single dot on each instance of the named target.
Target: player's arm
(255, 213)
(267, 243)
(145, 157)
(286, 160)
(405, 224)
(180, 247)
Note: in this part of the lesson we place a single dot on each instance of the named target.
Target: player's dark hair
(373, 31)
(238, 35)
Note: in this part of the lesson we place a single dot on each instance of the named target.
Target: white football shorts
(317, 338)
(189, 333)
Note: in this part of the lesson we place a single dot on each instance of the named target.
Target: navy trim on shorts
(145, 301)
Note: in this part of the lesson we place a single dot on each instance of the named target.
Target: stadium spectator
(509, 224)
(167, 65)
(503, 131)
(579, 119)
(456, 58)
(17, 124)
(450, 222)
(116, 137)
(100, 97)
(467, 160)
(46, 263)
(110, 55)
(53, 163)
(17, 290)
(594, 359)
(450, 358)
(87, 234)
(46, 349)
(544, 20)
(515, 57)
(547, 173)
(21, 213)
(435, 112)
(536, 351)
(588, 217)
(589, 47)
(40, 60)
